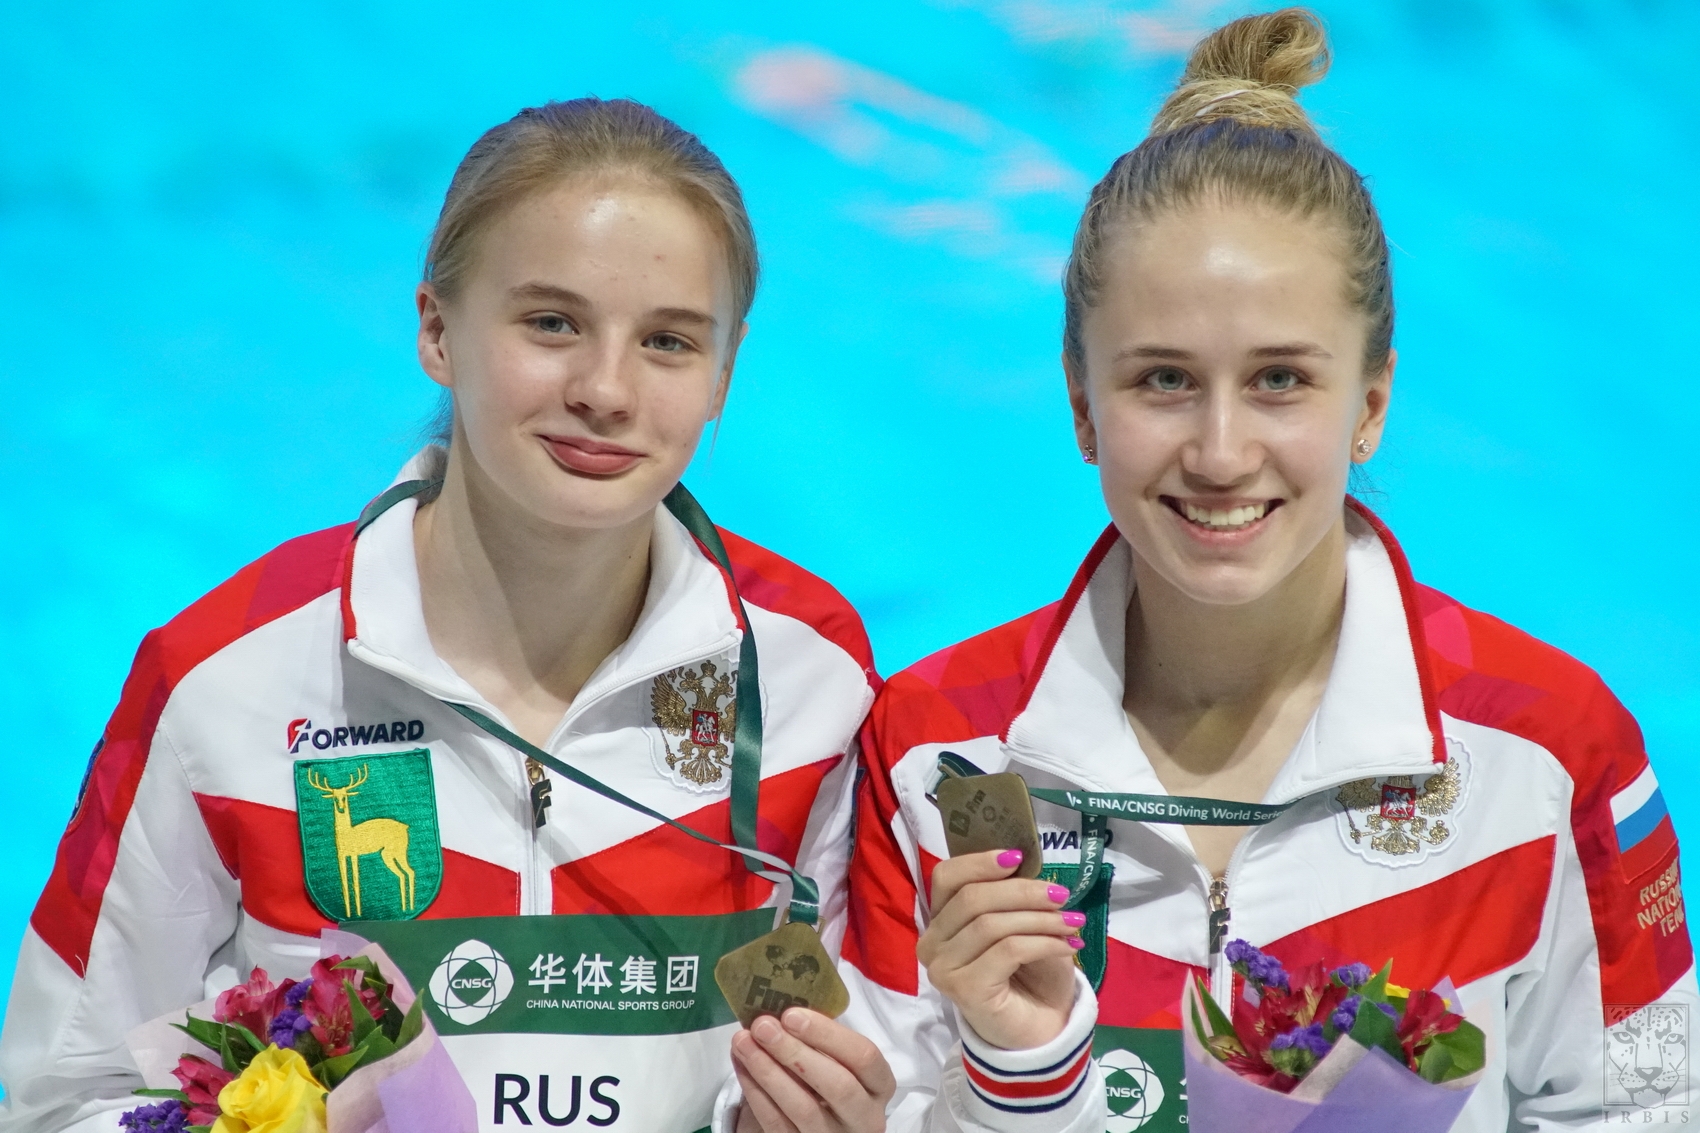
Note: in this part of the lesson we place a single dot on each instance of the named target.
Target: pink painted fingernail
(1074, 919)
(1010, 859)
(1076, 943)
(1057, 893)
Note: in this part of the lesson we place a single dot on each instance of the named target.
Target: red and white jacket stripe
(1470, 803)
(182, 867)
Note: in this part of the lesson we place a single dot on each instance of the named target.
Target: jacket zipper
(1219, 920)
(1221, 972)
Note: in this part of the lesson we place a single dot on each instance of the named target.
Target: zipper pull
(1221, 972)
(540, 790)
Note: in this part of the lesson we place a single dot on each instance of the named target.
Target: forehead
(619, 235)
(1215, 265)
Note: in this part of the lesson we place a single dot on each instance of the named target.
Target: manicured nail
(1076, 943)
(1057, 894)
(1074, 919)
(1009, 859)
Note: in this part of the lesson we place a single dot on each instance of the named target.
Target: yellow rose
(276, 1094)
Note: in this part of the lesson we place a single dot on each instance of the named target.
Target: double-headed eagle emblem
(698, 732)
(1399, 816)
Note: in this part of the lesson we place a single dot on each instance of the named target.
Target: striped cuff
(1038, 1081)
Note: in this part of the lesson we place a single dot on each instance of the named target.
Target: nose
(599, 383)
(1225, 449)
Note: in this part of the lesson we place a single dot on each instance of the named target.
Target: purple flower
(1347, 1013)
(296, 993)
(1260, 969)
(288, 1026)
(1389, 1010)
(166, 1117)
(1353, 975)
(1309, 1039)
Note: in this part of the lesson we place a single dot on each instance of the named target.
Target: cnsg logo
(1132, 1089)
(471, 982)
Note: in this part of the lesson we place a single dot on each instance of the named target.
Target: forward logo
(301, 732)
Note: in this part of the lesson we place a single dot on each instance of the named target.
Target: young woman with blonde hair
(510, 704)
(1437, 789)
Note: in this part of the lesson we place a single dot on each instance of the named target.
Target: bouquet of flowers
(1322, 1050)
(346, 1050)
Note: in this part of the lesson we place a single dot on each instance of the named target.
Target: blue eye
(553, 324)
(1280, 381)
(1166, 380)
(666, 343)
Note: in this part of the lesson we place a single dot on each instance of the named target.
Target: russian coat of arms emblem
(1402, 819)
(697, 712)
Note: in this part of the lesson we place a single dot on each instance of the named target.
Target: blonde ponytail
(1233, 127)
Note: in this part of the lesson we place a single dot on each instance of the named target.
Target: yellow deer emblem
(382, 836)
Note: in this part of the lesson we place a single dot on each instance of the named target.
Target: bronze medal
(990, 812)
(786, 968)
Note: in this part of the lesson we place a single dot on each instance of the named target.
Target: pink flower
(252, 1004)
(202, 1081)
(326, 1005)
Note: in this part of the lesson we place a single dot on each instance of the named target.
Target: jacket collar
(687, 611)
(1376, 717)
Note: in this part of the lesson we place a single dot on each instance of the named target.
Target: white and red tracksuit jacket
(183, 866)
(1473, 804)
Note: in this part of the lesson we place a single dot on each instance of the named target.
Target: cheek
(1134, 442)
(508, 379)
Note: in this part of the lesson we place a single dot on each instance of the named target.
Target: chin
(1215, 589)
(1216, 583)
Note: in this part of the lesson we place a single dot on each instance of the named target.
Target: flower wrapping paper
(415, 1090)
(1350, 1091)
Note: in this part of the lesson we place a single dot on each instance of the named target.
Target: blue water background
(211, 219)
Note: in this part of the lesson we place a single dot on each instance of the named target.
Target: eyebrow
(536, 292)
(1176, 354)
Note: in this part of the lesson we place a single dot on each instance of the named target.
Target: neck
(523, 610)
(1204, 679)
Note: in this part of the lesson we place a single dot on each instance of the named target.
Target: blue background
(211, 220)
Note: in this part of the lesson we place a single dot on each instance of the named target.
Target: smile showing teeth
(1225, 519)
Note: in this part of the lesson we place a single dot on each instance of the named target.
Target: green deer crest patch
(369, 841)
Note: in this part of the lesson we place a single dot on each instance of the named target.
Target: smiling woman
(551, 608)
(1411, 782)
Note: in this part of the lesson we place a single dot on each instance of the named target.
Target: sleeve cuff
(1002, 1086)
(726, 1106)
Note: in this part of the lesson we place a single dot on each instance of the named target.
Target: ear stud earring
(1089, 455)
(1363, 447)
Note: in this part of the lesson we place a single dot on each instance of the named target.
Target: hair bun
(1250, 70)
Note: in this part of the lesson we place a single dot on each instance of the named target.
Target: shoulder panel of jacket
(1490, 673)
(765, 579)
(283, 580)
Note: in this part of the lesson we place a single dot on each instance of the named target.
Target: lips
(591, 457)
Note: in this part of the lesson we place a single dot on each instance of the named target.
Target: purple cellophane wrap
(1376, 1093)
(415, 1090)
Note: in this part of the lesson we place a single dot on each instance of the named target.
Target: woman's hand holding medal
(805, 1073)
(1001, 948)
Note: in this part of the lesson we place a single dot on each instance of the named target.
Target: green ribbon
(1096, 808)
(746, 738)
(1177, 810)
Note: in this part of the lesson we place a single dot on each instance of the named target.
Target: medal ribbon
(747, 736)
(1096, 808)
